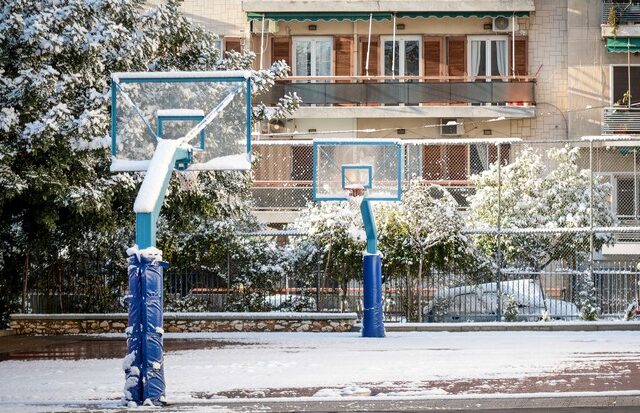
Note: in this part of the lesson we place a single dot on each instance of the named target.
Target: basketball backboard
(148, 106)
(344, 167)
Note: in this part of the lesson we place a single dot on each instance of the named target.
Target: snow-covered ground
(333, 364)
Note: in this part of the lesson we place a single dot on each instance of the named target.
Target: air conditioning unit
(451, 127)
(503, 24)
(270, 26)
(277, 126)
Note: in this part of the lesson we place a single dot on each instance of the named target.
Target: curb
(505, 326)
(507, 402)
(6, 333)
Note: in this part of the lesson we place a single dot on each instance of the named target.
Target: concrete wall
(589, 64)
(222, 17)
(54, 324)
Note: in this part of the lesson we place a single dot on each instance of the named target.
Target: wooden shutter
(504, 153)
(457, 162)
(274, 163)
(432, 162)
(281, 49)
(433, 56)
(374, 59)
(521, 55)
(232, 43)
(457, 56)
(343, 52)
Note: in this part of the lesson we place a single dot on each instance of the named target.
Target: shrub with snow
(510, 312)
(531, 198)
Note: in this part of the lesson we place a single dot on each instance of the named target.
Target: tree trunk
(419, 297)
(59, 285)
(25, 281)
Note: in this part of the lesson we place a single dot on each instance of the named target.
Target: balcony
(407, 97)
(627, 16)
(627, 12)
(621, 120)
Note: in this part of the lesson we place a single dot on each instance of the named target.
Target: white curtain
(501, 56)
(476, 46)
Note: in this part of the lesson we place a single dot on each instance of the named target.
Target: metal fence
(541, 258)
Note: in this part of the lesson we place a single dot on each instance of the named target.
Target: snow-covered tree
(337, 231)
(423, 232)
(55, 61)
(532, 199)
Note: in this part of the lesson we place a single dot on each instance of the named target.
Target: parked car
(480, 303)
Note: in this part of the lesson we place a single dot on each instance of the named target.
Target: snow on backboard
(148, 106)
(342, 165)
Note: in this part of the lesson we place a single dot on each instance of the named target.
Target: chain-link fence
(556, 224)
(558, 221)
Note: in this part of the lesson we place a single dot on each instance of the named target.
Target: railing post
(591, 210)
(499, 245)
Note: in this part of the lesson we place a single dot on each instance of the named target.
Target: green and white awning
(355, 16)
(623, 44)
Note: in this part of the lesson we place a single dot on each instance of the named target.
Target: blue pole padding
(373, 316)
(144, 364)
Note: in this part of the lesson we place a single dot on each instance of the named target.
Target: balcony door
(487, 56)
(408, 55)
(312, 56)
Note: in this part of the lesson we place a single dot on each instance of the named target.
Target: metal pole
(513, 46)
(635, 183)
(591, 209)
(262, 41)
(366, 67)
(393, 49)
(499, 247)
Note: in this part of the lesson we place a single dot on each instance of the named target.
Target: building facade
(537, 70)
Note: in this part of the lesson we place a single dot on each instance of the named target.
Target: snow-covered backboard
(342, 167)
(148, 106)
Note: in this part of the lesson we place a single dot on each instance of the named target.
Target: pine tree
(57, 195)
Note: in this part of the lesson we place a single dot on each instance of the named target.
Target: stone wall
(55, 324)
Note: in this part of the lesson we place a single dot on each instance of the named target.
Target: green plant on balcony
(612, 20)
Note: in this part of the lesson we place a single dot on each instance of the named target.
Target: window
(312, 56)
(620, 84)
(408, 55)
(458, 162)
(627, 197)
(217, 45)
(487, 56)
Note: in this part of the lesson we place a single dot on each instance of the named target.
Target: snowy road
(344, 364)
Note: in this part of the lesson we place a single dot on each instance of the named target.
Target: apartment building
(537, 70)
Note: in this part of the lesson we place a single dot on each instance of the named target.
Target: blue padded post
(373, 316)
(144, 367)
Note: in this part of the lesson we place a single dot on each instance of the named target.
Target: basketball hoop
(356, 192)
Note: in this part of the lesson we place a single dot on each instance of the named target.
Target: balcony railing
(621, 120)
(627, 12)
(294, 195)
(356, 91)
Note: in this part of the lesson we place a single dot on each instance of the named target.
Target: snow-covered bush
(532, 199)
(337, 231)
(586, 299)
(510, 312)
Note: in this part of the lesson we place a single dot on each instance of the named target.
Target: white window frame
(218, 45)
(611, 102)
(314, 69)
(487, 39)
(401, 52)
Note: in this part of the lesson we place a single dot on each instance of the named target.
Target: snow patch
(149, 253)
(117, 76)
(240, 162)
(159, 330)
(179, 112)
(151, 189)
